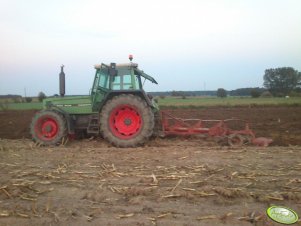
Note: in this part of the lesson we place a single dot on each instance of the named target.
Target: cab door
(100, 87)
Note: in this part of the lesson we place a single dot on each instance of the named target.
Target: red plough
(219, 129)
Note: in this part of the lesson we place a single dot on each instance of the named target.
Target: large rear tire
(48, 128)
(126, 121)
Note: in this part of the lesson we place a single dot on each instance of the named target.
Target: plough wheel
(235, 140)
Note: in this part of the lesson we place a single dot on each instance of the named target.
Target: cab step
(93, 126)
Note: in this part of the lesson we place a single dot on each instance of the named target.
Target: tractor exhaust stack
(62, 82)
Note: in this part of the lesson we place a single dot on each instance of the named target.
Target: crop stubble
(169, 182)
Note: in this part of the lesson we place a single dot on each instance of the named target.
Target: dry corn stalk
(22, 215)
(125, 215)
(27, 198)
(188, 189)
(5, 191)
(163, 215)
(48, 204)
(204, 194)
(196, 182)
(207, 217)
(56, 217)
(174, 188)
(155, 180)
(4, 213)
(171, 196)
(275, 198)
(225, 216)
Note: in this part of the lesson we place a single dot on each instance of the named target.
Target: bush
(266, 94)
(41, 96)
(255, 93)
(221, 92)
(28, 99)
(17, 100)
(294, 94)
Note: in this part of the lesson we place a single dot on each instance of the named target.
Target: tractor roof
(135, 67)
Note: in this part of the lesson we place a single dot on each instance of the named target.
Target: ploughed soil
(282, 124)
(170, 181)
(173, 181)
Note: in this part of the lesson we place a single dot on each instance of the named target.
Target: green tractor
(117, 108)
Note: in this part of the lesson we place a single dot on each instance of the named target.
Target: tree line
(278, 82)
(19, 99)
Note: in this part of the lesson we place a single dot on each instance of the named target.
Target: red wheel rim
(46, 128)
(125, 122)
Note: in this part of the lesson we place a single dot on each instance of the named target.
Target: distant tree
(245, 91)
(281, 81)
(178, 93)
(9, 96)
(266, 94)
(17, 99)
(255, 93)
(41, 96)
(28, 99)
(298, 90)
(174, 93)
(221, 92)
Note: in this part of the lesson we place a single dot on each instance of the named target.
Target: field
(22, 106)
(179, 102)
(198, 102)
(15, 104)
(170, 181)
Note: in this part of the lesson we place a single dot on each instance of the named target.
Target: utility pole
(24, 91)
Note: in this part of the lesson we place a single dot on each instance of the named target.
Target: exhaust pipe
(62, 82)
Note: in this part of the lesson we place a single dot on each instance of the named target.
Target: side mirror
(112, 71)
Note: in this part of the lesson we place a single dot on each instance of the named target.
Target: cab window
(103, 80)
(116, 83)
(122, 82)
(127, 82)
(96, 80)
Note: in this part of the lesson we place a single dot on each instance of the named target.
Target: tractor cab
(113, 79)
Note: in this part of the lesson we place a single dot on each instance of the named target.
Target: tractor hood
(70, 104)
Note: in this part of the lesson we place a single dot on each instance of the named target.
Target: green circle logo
(282, 214)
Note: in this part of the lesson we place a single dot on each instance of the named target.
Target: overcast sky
(185, 45)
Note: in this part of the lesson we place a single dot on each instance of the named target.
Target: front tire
(126, 121)
(48, 128)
